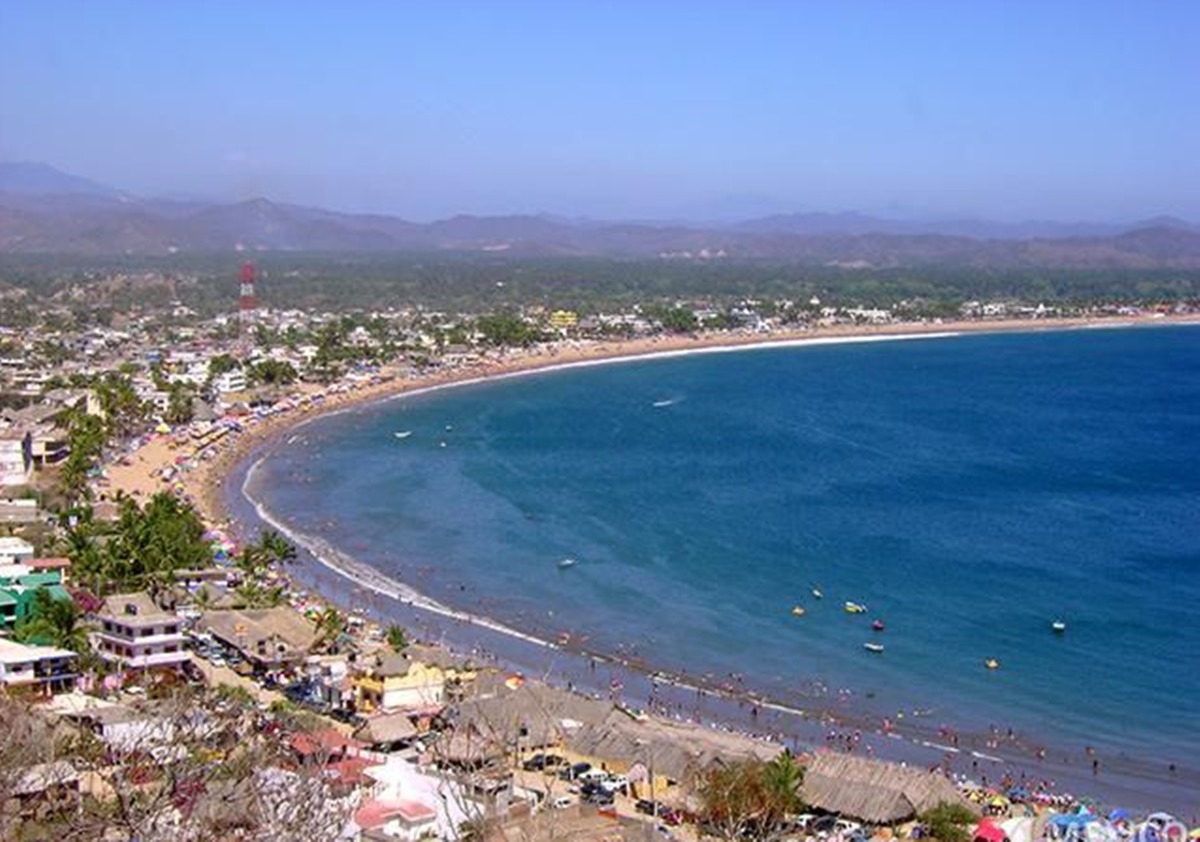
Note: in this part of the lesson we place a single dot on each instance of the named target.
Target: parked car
(615, 783)
(594, 776)
(535, 764)
(599, 797)
(562, 802)
(570, 773)
(542, 762)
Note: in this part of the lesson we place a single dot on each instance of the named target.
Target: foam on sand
(368, 577)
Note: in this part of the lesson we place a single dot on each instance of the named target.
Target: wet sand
(827, 720)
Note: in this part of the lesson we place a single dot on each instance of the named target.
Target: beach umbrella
(986, 831)
(1119, 815)
(1066, 820)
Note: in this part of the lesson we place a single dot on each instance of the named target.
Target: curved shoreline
(918, 743)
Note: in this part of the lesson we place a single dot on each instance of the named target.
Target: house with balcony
(41, 669)
(396, 682)
(134, 633)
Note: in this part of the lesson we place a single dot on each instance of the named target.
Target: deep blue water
(968, 490)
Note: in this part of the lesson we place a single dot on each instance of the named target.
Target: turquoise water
(967, 490)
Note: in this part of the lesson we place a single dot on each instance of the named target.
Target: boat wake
(368, 577)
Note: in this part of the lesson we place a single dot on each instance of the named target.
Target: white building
(230, 381)
(14, 550)
(136, 634)
(406, 804)
(16, 457)
(44, 668)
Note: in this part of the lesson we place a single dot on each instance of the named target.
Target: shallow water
(968, 491)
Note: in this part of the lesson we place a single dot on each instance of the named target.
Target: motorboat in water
(855, 608)
(1058, 626)
(816, 592)
(877, 625)
(798, 611)
(565, 563)
(991, 663)
(402, 434)
(873, 647)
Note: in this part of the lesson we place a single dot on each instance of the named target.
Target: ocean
(967, 490)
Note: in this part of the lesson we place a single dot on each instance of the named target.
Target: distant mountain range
(43, 210)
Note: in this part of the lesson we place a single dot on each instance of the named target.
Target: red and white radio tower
(246, 300)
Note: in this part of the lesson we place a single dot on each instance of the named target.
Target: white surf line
(990, 757)
(939, 747)
(651, 355)
(366, 576)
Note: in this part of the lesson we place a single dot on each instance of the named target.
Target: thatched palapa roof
(875, 791)
(673, 749)
(386, 728)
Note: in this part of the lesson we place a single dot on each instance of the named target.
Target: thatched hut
(673, 750)
(875, 791)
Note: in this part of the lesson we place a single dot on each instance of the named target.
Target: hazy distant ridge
(44, 210)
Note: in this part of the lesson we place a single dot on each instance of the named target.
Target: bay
(969, 491)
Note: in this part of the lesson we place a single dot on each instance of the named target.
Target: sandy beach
(226, 461)
(142, 473)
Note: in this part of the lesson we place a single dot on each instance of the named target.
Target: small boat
(798, 611)
(877, 625)
(816, 592)
(661, 404)
(403, 434)
(855, 608)
(992, 664)
(873, 647)
(565, 563)
(1058, 626)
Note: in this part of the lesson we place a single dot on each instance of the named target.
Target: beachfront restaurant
(875, 791)
(268, 638)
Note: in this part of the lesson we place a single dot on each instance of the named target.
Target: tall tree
(53, 622)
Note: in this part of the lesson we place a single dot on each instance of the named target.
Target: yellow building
(563, 319)
(396, 682)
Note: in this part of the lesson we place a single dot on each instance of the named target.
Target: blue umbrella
(1119, 815)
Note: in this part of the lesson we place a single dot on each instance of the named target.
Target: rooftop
(12, 652)
(134, 609)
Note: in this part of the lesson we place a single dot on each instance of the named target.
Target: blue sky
(637, 109)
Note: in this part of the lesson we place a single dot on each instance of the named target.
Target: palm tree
(53, 622)
(275, 548)
(396, 638)
(783, 777)
(331, 625)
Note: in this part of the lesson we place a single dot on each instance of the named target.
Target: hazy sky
(1016, 109)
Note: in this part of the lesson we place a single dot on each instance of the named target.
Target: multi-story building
(135, 633)
(45, 669)
(16, 457)
(394, 682)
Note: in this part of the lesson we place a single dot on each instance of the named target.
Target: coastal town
(163, 675)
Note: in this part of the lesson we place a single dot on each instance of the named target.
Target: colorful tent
(987, 831)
